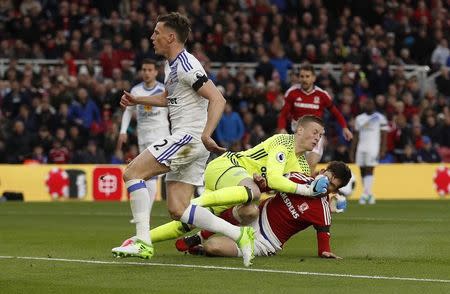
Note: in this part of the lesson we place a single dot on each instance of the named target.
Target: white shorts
(185, 155)
(149, 137)
(364, 158)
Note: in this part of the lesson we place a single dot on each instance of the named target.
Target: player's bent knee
(175, 213)
(212, 247)
(128, 174)
(248, 213)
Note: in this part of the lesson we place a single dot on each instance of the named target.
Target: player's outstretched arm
(276, 161)
(128, 99)
(323, 242)
(215, 109)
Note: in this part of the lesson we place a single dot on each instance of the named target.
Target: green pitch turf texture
(391, 247)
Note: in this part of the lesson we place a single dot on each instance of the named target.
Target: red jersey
(299, 103)
(284, 215)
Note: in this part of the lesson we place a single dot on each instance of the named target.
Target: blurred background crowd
(69, 112)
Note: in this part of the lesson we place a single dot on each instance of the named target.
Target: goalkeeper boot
(136, 249)
(246, 242)
(371, 200)
(185, 243)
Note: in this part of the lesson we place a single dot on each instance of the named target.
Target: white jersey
(152, 121)
(370, 128)
(187, 109)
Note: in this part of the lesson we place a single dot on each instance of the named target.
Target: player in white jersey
(152, 122)
(195, 108)
(369, 144)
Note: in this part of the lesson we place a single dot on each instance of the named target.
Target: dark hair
(179, 23)
(341, 171)
(307, 67)
(149, 61)
(306, 119)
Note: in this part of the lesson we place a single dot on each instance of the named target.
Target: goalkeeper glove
(316, 188)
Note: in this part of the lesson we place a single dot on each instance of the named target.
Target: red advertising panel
(107, 183)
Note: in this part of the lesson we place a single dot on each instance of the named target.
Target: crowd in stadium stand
(70, 113)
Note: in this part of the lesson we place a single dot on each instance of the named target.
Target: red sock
(206, 234)
(228, 216)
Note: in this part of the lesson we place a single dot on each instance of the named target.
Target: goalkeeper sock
(168, 231)
(204, 235)
(202, 218)
(225, 196)
(140, 208)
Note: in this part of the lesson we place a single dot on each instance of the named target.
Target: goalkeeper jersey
(273, 158)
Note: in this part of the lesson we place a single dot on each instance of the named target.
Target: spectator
(44, 138)
(440, 54)
(264, 68)
(109, 59)
(12, 101)
(428, 153)
(230, 128)
(282, 64)
(19, 143)
(84, 112)
(39, 155)
(408, 155)
(91, 154)
(59, 154)
(443, 81)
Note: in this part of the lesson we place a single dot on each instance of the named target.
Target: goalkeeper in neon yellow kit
(229, 178)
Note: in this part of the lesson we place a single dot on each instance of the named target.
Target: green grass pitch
(391, 247)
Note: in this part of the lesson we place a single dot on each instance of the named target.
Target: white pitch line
(243, 269)
(344, 218)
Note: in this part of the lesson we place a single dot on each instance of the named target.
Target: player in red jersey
(277, 219)
(306, 98)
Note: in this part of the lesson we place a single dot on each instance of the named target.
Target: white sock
(140, 207)
(367, 182)
(202, 218)
(151, 187)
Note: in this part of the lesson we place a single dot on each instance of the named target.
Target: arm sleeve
(126, 118)
(276, 161)
(323, 239)
(196, 77)
(285, 113)
(338, 115)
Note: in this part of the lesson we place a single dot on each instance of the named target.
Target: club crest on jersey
(316, 99)
(148, 108)
(303, 207)
(281, 157)
(199, 74)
